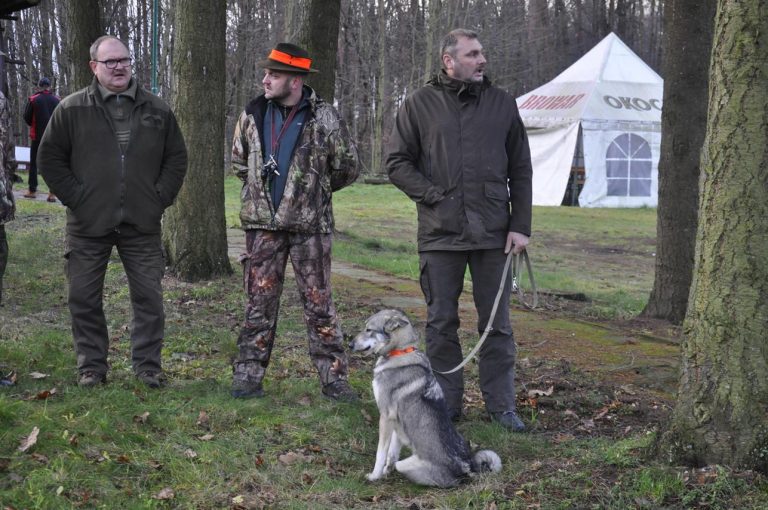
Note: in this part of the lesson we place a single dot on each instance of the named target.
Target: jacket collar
(461, 88)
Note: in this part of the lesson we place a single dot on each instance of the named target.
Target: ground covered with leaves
(593, 391)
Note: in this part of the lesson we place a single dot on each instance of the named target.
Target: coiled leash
(514, 260)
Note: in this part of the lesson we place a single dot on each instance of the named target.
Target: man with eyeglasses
(114, 155)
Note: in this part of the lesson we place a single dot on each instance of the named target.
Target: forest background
(387, 48)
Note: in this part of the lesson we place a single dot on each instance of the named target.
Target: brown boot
(51, 197)
(30, 194)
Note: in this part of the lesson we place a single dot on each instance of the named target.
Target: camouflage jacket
(7, 164)
(324, 160)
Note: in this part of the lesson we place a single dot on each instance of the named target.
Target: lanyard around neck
(283, 129)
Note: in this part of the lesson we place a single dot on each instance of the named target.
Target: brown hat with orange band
(289, 58)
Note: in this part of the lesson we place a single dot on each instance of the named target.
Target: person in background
(7, 174)
(460, 151)
(114, 155)
(291, 151)
(37, 114)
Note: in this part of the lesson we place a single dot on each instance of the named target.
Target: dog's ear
(395, 322)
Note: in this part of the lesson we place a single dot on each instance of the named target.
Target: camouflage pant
(263, 277)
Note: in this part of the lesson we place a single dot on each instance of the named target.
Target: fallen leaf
(541, 393)
(190, 453)
(206, 437)
(123, 459)
(37, 375)
(305, 401)
(571, 413)
(8, 379)
(166, 493)
(44, 395)
(73, 440)
(141, 418)
(367, 417)
(39, 457)
(30, 440)
(237, 500)
(203, 421)
(562, 438)
(627, 389)
(293, 457)
(307, 478)
(154, 464)
(258, 461)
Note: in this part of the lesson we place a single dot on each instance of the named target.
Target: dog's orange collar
(400, 352)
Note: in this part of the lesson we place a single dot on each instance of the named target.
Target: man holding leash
(460, 151)
(291, 151)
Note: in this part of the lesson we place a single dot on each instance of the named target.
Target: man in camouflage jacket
(291, 151)
(7, 173)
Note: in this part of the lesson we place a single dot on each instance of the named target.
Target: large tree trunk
(84, 26)
(194, 228)
(688, 42)
(721, 414)
(320, 37)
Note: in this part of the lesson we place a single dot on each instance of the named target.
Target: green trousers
(86, 266)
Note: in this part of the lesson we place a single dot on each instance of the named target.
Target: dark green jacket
(102, 186)
(460, 152)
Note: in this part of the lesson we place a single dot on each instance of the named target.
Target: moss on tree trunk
(721, 414)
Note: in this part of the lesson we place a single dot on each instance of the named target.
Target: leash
(516, 268)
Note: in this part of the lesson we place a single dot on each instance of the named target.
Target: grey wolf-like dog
(412, 409)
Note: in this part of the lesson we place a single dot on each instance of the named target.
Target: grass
(124, 446)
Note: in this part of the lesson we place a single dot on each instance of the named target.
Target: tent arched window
(628, 166)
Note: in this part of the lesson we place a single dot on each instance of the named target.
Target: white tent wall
(553, 166)
(616, 98)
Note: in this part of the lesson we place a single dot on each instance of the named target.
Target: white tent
(612, 100)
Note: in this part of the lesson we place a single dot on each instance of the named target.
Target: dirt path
(631, 353)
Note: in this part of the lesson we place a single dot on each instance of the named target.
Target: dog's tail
(485, 461)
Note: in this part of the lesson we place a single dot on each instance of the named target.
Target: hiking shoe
(90, 378)
(51, 197)
(340, 391)
(246, 379)
(152, 378)
(509, 420)
(30, 194)
(246, 389)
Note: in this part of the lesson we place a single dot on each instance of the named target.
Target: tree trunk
(721, 414)
(194, 228)
(320, 37)
(84, 26)
(688, 33)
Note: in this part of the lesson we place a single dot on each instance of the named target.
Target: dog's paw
(372, 477)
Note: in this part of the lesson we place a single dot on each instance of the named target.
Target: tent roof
(609, 60)
(593, 87)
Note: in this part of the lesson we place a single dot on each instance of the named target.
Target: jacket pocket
(443, 217)
(496, 210)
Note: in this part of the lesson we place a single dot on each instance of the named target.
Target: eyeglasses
(113, 63)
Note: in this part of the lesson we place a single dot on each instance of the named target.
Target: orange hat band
(284, 58)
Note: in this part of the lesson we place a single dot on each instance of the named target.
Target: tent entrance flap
(552, 150)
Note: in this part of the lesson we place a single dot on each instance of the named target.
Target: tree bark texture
(194, 228)
(688, 44)
(84, 26)
(320, 37)
(721, 414)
